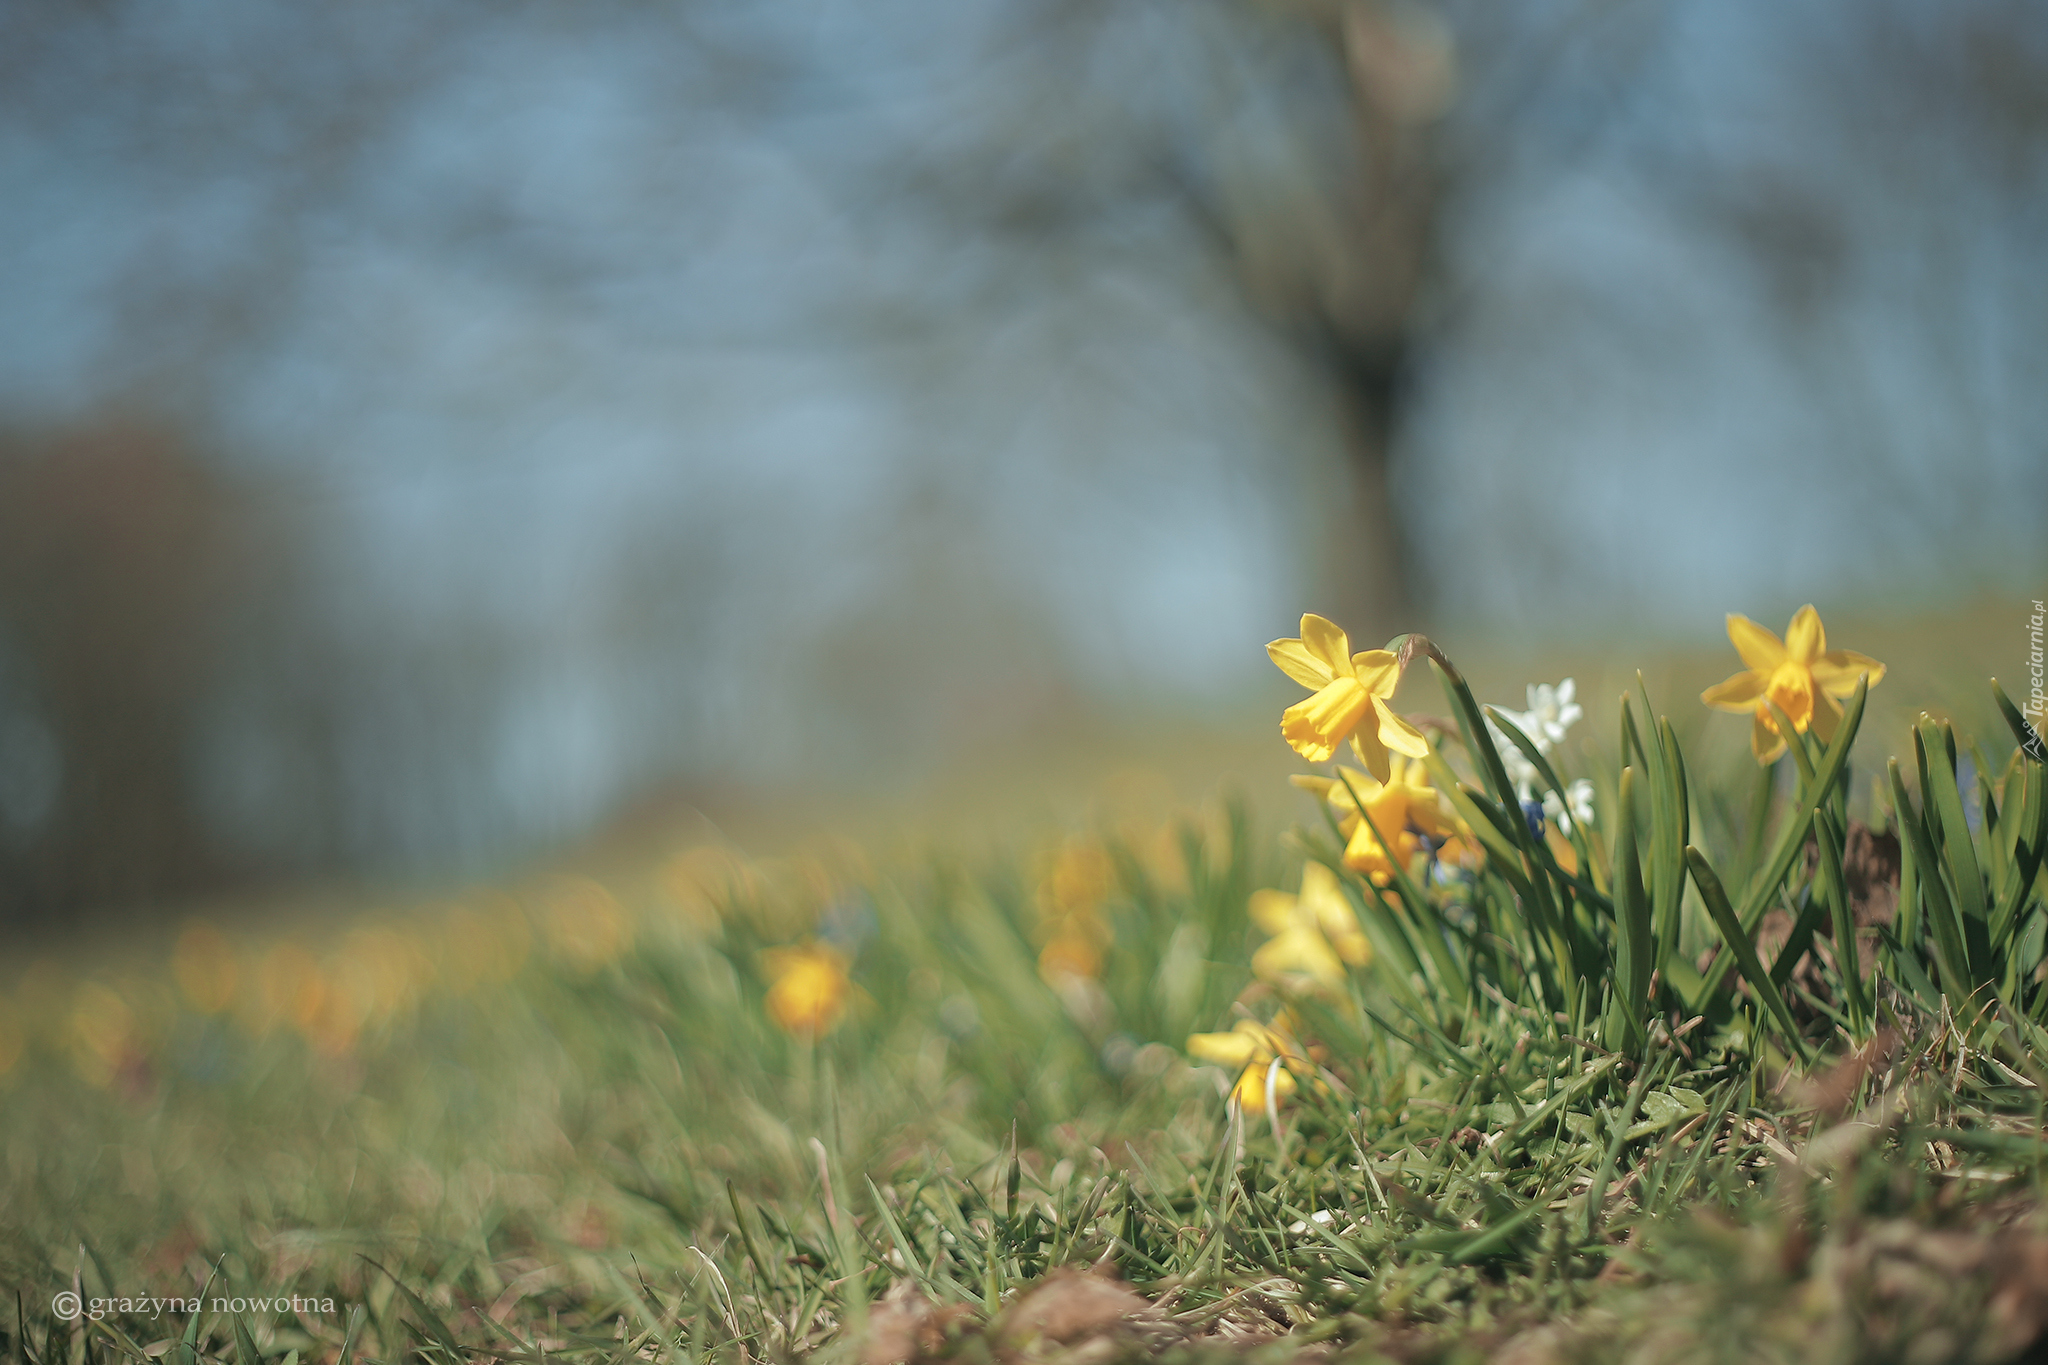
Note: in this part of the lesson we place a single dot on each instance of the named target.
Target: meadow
(1574, 1028)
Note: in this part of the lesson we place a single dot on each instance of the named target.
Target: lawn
(1688, 1061)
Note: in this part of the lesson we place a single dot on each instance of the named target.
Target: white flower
(1576, 805)
(1551, 712)
(1520, 770)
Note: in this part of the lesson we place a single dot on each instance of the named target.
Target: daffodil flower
(1800, 674)
(807, 995)
(1252, 1047)
(1404, 808)
(1072, 933)
(1314, 934)
(1350, 700)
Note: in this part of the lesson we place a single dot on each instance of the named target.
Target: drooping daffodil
(1800, 674)
(1350, 700)
(1252, 1047)
(1404, 809)
(1315, 934)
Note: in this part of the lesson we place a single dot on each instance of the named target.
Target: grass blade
(1741, 950)
(1792, 838)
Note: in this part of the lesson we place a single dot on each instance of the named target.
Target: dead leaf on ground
(1070, 1306)
(907, 1326)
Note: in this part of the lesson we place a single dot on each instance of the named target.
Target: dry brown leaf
(1069, 1307)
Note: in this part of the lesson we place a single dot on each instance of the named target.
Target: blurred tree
(1347, 268)
(116, 548)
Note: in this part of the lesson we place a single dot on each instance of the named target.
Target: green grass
(558, 1123)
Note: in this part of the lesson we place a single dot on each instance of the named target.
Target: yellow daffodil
(807, 994)
(1314, 934)
(1404, 808)
(1461, 851)
(1069, 954)
(1800, 674)
(1350, 691)
(1072, 934)
(1252, 1046)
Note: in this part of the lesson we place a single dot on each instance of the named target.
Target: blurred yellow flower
(1071, 932)
(1069, 954)
(1404, 807)
(807, 993)
(1252, 1046)
(1800, 674)
(1313, 934)
(104, 1038)
(1350, 690)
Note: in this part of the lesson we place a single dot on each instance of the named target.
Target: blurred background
(431, 432)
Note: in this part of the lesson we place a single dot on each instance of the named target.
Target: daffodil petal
(1273, 911)
(1740, 693)
(1300, 663)
(1250, 1090)
(1353, 946)
(1300, 951)
(1339, 925)
(1365, 853)
(1760, 649)
(1827, 714)
(1429, 817)
(1365, 784)
(1806, 639)
(1320, 890)
(1837, 671)
(1225, 1049)
(1764, 740)
(1371, 751)
(1378, 670)
(1327, 643)
(1397, 734)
